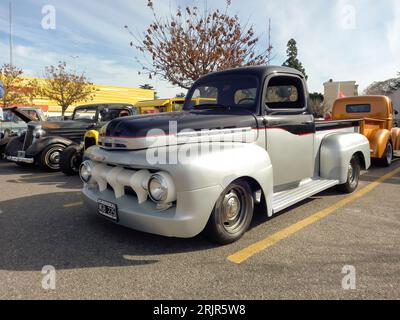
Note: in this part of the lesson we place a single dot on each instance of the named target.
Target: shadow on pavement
(38, 231)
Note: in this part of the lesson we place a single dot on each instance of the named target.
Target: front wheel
(71, 159)
(353, 176)
(387, 159)
(232, 214)
(50, 157)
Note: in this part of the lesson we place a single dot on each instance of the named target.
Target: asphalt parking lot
(299, 254)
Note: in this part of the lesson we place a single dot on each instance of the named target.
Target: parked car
(44, 142)
(378, 118)
(262, 150)
(71, 158)
(13, 122)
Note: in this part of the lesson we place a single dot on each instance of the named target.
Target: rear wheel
(387, 159)
(50, 157)
(71, 159)
(232, 214)
(353, 176)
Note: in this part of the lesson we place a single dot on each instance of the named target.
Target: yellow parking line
(74, 204)
(257, 247)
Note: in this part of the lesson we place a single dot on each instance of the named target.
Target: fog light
(85, 171)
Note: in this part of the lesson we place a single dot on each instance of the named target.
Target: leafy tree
(181, 95)
(317, 106)
(66, 87)
(292, 60)
(383, 87)
(146, 86)
(149, 87)
(192, 42)
(18, 91)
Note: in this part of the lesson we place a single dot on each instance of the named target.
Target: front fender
(219, 166)
(39, 145)
(336, 152)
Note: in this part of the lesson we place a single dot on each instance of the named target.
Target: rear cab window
(358, 108)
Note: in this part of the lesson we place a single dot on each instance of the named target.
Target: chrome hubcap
(55, 157)
(231, 207)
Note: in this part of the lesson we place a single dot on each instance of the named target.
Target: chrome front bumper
(186, 220)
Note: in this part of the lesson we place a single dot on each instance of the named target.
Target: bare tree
(193, 42)
(18, 90)
(66, 87)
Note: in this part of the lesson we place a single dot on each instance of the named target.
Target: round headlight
(157, 188)
(38, 133)
(85, 171)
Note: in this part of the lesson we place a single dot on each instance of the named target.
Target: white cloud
(95, 33)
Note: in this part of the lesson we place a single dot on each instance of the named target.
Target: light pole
(11, 37)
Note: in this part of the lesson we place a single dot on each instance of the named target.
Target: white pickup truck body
(262, 149)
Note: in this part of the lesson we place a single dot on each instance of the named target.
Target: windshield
(85, 114)
(239, 92)
(9, 116)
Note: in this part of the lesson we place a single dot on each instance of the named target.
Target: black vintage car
(44, 142)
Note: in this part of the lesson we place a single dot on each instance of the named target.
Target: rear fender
(379, 141)
(396, 138)
(336, 152)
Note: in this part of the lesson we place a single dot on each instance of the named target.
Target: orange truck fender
(379, 140)
(396, 138)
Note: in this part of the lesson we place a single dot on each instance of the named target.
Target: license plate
(108, 209)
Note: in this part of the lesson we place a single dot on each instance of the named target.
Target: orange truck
(377, 117)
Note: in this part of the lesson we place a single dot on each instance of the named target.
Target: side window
(285, 92)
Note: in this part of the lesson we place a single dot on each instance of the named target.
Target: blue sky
(340, 39)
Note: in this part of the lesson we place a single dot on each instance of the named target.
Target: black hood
(217, 119)
(68, 124)
(72, 130)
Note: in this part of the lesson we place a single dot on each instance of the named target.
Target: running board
(308, 188)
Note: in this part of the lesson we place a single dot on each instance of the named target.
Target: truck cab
(251, 143)
(377, 117)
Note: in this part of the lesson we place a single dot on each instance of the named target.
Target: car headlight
(85, 171)
(161, 188)
(38, 133)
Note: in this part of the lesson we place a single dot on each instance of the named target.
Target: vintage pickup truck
(254, 145)
(377, 123)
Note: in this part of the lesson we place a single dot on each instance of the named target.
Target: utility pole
(270, 47)
(11, 36)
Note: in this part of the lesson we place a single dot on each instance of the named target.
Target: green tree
(147, 86)
(292, 60)
(18, 91)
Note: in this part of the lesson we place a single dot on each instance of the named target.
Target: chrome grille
(28, 138)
